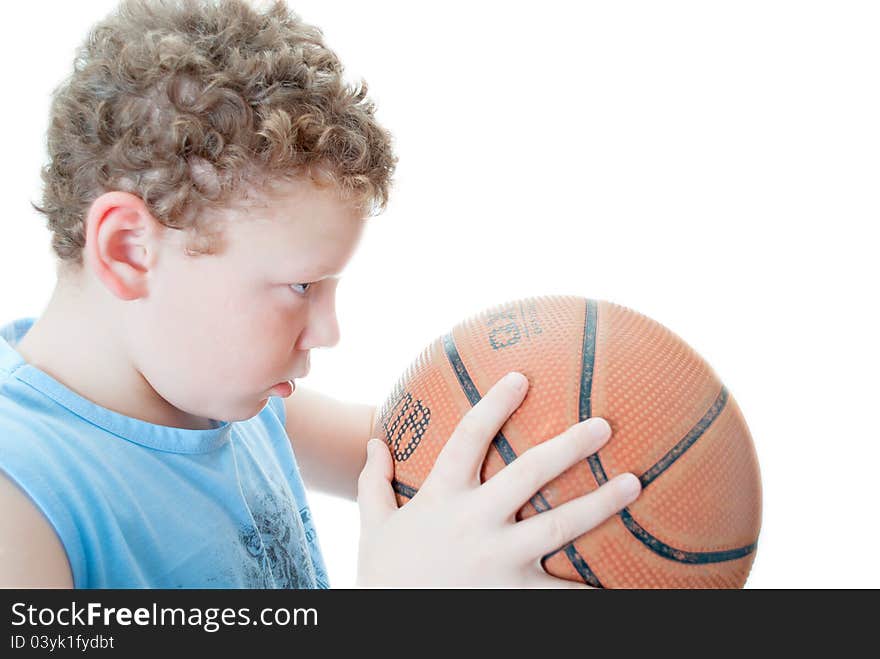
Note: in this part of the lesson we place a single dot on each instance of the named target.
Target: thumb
(375, 494)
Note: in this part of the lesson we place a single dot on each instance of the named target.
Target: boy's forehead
(280, 200)
(300, 227)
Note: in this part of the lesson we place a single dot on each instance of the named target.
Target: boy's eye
(302, 289)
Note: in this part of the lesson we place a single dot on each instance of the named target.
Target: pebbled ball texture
(674, 425)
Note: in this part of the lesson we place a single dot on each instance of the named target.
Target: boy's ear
(122, 240)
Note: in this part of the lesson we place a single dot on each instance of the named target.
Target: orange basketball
(696, 522)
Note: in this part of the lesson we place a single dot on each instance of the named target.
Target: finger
(510, 488)
(548, 531)
(375, 495)
(460, 460)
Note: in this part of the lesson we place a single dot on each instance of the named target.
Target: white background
(712, 165)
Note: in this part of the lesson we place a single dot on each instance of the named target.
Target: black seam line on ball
(473, 395)
(588, 361)
(585, 411)
(539, 503)
(585, 405)
(695, 433)
(588, 358)
(403, 489)
(680, 555)
(505, 450)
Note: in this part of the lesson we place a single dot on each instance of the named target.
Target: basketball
(674, 425)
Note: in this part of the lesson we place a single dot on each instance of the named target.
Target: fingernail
(598, 428)
(629, 485)
(372, 445)
(517, 380)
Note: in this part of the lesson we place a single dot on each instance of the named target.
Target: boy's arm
(31, 555)
(329, 438)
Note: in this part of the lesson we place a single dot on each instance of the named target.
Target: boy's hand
(459, 532)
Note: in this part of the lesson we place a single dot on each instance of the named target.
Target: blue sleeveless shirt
(138, 505)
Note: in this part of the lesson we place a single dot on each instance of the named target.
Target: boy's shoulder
(33, 555)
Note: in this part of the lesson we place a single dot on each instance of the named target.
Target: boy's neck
(70, 343)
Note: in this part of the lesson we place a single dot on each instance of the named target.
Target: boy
(209, 178)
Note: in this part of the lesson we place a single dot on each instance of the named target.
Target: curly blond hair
(186, 102)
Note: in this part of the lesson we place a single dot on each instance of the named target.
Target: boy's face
(214, 334)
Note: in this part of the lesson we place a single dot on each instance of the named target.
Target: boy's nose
(322, 331)
(329, 331)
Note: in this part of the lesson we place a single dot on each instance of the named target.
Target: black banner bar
(122, 622)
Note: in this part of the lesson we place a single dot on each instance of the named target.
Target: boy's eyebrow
(316, 274)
